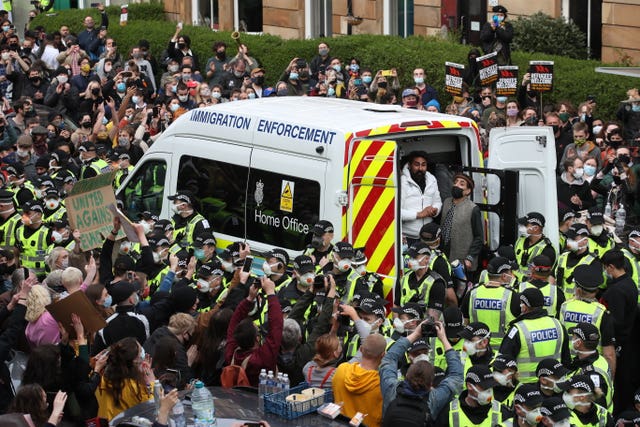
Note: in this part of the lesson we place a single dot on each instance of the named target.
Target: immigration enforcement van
(266, 170)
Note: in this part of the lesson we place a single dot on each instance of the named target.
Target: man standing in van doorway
(461, 224)
(321, 245)
(420, 196)
(187, 223)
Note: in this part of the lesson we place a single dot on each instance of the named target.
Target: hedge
(574, 79)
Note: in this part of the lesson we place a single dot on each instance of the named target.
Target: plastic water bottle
(607, 210)
(270, 383)
(262, 388)
(202, 406)
(286, 384)
(177, 416)
(157, 393)
(279, 383)
(621, 216)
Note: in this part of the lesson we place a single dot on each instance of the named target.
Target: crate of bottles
(298, 401)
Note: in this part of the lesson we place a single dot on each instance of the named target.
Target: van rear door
(372, 214)
(529, 151)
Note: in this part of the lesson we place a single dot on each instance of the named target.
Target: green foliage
(542, 33)
(574, 79)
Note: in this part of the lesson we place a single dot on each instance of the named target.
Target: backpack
(235, 375)
(408, 411)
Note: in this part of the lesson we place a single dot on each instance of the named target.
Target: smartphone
(253, 425)
(126, 74)
(95, 4)
(156, 111)
(387, 73)
(248, 262)
(357, 82)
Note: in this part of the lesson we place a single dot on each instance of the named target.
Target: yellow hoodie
(359, 390)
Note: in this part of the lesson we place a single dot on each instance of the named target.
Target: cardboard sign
(88, 209)
(453, 78)
(488, 68)
(541, 75)
(77, 303)
(126, 225)
(507, 84)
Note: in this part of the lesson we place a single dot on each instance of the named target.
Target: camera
(301, 63)
(428, 328)
(318, 283)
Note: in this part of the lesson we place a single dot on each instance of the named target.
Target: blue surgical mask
(338, 68)
(635, 108)
(293, 75)
(135, 99)
(354, 67)
(331, 92)
(107, 301)
(367, 79)
(589, 170)
(501, 99)
(121, 87)
(199, 254)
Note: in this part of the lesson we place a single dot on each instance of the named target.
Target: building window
(318, 18)
(397, 17)
(208, 15)
(248, 15)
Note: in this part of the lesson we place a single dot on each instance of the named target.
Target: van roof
(344, 115)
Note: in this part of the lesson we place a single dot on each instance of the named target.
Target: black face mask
(221, 54)
(26, 50)
(456, 192)
(35, 79)
(555, 128)
(259, 80)
(614, 144)
(181, 46)
(95, 91)
(382, 85)
(14, 47)
(86, 125)
(7, 269)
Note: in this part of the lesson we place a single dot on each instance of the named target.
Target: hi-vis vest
(6, 5)
(550, 293)
(346, 294)
(601, 367)
(457, 417)
(33, 249)
(419, 294)
(8, 230)
(602, 418)
(524, 256)
(635, 269)
(540, 338)
(577, 311)
(598, 250)
(491, 305)
(98, 165)
(186, 233)
(154, 282)
(566, 280)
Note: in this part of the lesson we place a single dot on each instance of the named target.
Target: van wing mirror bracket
(542, 140)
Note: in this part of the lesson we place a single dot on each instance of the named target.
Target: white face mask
(175, 207)
(563, 423)
(597, 129)
(414, 264)
(228, 266)
(578, 172)
(57, 237)
(344, 265)
(522, 231)
(64, 263)
(484, 397)
(374, 326)
(268, 269)
(470, 348)
(146, 227)
(532, 417)
(125, 248)
(63, 79)
(158, 257)
(52, 204)
(570, 400)
(596, 230)
(361, 269)
(573, 245)
(399, 325)
(203, 285)
(307, 279)
(503, 379)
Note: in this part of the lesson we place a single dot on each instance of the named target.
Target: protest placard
(541, 73)
(488, 68)
(507, 84)
(453, 78)
(88, 209)
(77, 303)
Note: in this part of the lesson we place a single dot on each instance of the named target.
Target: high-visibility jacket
(550, 293)
(577, 311)
(524, 256)
(564, 274)
(599, 250)
(8, 230)
(601, 367)
(420, 293)
(603, 416)
(34, 249)
(634, 273)
(457, 417)
(492, 305)
(540, 339)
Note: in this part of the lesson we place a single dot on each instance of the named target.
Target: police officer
(588, 361)
(372, 312)
(275, 268)
(579, 396)
(453, 324)
(302, 280)
(409, 317)
(339, 266)
(92, 165)
(9, 219)
(321, 245)
(632, 255)
(600, 241)
(120, 162)
(210, 285)
(54, 208)
(534, 335)
(61, 234)
(33, 238)
(494, 302)
(159, 267)
(584, 307)
(551, 374)
(566, 217)
(475, 406)
(421, 284)
(555, 412)
(505, 372)
(22, 189)
(540, 271)
(148, 221)
(187, 223)
(476, 346)
(577, 253)
(531, 243)
(431, 234)
(526, 405)
(165, 227)
(204, 247)
(368, 280)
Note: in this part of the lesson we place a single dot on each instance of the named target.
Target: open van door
(529, 151)
(373, 212)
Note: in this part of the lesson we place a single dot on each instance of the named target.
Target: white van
(266, 170)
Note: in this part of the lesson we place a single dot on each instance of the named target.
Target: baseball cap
(474, 329)
(212, 268)
(565, 213)
(629, 417)
(204, 238)
(551, 368)
(481, 375)
(635, 234)
(60, 223)
(372, 307)
(147, 215)
(122, 290)
(555, 408)
(163, 225)
(430, 232)
(453, 321)
(412, 309)
(588, 277)
(502, 362)
(532, 297)
(596, 217)
(499, 265)
(13, 169)
(528, 394)
(418, 248)
(303, 264)
(322, 227)
(535, 218)
(541, 263)
(6, 196)
(580, 382)
(279, 254)
(343, 250)
(586, 332)
(158, 240)
(409, 92)
(32, 206)
(577, 230)
(183, 196)
(183, 258)
(51, 193)
(87, 146)
(419, 344)
(124, 263)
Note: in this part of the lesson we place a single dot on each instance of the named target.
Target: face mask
(361, 270)
(174, 107)
(578, 173)
(307, 279)
(414, 264)
(135, 99)
(399, 326)
(563, 116)
(579, 141)
(52, 204)
(317, 242)
(589, 170)
(569, 400)
(456, 192)
(367, 79)
(123, 141)
(238, 73)
(158, 257)
(227, 266)
(572, 245)
(293, 76)
(125, 248)
(331, 92)
(216, 95)
(267, 268)
(86, 125)
(501, 99)
(6, 28)
(484, 397)
(121, 87)
(199, 254)
(181, 46)
(354, 67)
(26, 220)
(344, 265)
(337, 67)
(512, 112)
(107, 301)
(522, 231)
(503, 379)
(624, 158)
(382, 85)
(635, 108)
(85, 68)
(56, 237)
(183, 98)
(418, 80)
(95, 91)
(532, 417)
(563, 423)
(203, 285)
(173, 68)
(251, 95)
(323, 52)
(596, 230)
(597, 129)
(205, 92)
(63, 79)
(469, 347)
(146, 227)
(22, 153)
(108, 68)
